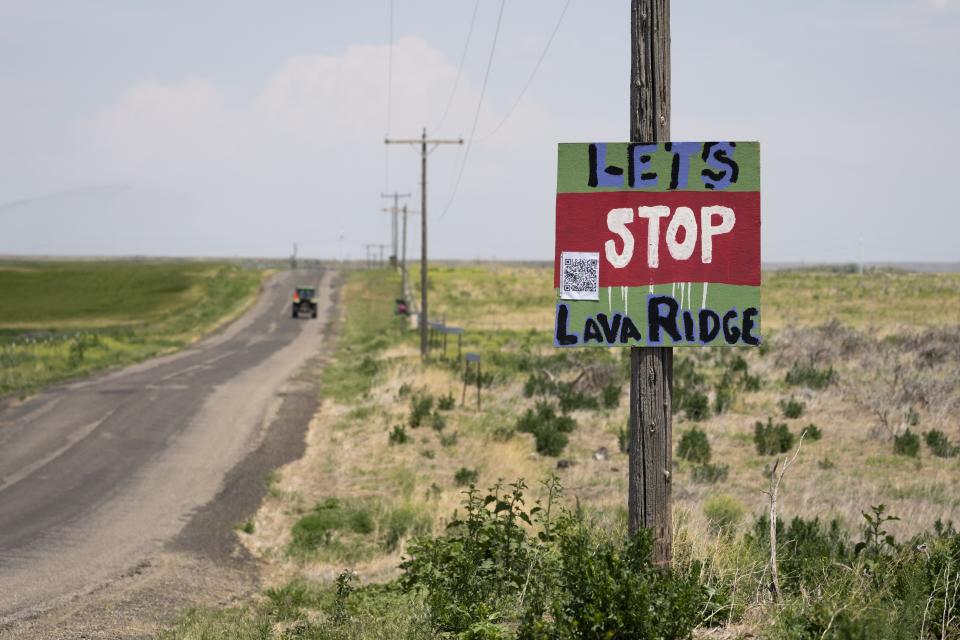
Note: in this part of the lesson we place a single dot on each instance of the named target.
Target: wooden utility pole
(651, 368)
(403, 253)
(395, 212)
(424, 152)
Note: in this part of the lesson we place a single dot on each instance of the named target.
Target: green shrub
(465, 476)
(751, 382)
(539, 384)
(939, 444)
(611, 395)
(723, 512)
(725, 393)
(402, 522)
(810, 376)
(771, 439)
(438, 422)
(399, 435)
(696, 406)
(421, 404)
(493, 576)
(710, 473)
(328, 517)
(570, 399)
(907, 444)
(404, 390)
(549, 429)
(448, 439)
(792, 408)
(446, 403)
(912, 417)
(806, 549)
(694, 446)
(813, 432)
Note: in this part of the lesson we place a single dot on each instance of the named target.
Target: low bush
(772, 438)
(810, 376)
(611, 396)
(723, 512)
(399, 435)
(725, 393)
(694, 446)
(421, 404)
(464, 476)
(792, 408)
(710, 473)
(549, 429)
(493, 575)
(696, 406)
(328, 518)
(437, 421)
(448, 439)
(539, 384)
(907, 444)
(939, 444)
(446, 403)
(912, 417)
(813, 432)
(570, 399)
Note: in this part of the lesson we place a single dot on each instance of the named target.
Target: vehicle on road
(304, 301)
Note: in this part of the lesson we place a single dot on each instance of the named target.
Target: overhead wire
(476, 115)
(533, 74)
(463, 57)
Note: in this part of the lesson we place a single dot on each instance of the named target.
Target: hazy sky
(238, 128)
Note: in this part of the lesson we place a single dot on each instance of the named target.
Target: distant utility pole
(403, 254)
(424, 152)
(395, 212)
(651, 368)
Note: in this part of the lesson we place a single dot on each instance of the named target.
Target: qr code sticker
(579, 275)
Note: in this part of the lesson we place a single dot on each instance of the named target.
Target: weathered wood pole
(651, 368)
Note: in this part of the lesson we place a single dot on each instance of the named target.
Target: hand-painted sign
(658, 244)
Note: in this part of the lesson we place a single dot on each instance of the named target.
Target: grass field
(861, 365)
(59, 320)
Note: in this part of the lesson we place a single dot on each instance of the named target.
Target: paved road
(98, 475)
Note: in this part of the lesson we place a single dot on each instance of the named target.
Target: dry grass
(851, 468)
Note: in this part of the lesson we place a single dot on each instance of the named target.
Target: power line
(476, 116)
(463, 57)
(533, 74)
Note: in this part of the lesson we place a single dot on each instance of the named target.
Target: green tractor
(304, 300)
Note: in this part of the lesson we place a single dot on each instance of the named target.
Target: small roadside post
(657, 246)
(471, 357)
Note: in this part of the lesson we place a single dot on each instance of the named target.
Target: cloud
(306, 152)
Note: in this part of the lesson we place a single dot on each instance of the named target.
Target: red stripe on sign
(584, 223)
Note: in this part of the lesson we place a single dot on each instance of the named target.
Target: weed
(329, 517)
(446, 403)
(421, 404)
(725, 393)
(826, 464)
(792, 408)
(246, 526)
(502, 433)
(464, 476)
(571, 399)
(427, 453)
(751, 382)
(399, 435)
(912, 417)
(611, 396)
(710, 473)
(344, 589)
(539, 384)
(810, 376)
(907, 444)
(404, 390)
(723, 512)
(939, 444)
(876, 540)
(438, 422)
(549, 429)
(813, 432)
(772, 439)
(696, 406)
(694, 446)
(448, 440)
